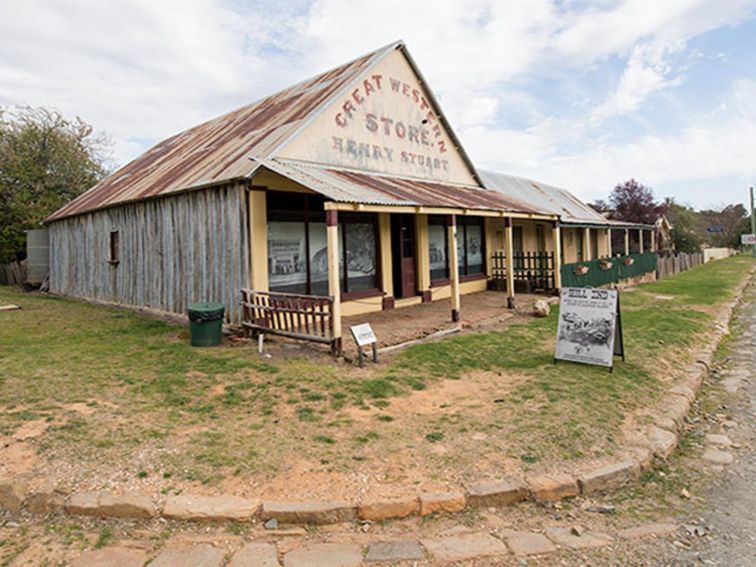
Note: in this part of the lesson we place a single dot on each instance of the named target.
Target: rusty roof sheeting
(220, 150)
(349, 186)
(550, 199)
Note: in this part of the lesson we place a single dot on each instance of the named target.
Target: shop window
(298, 250)
(297, 255)
(438, 248)
(358, 247)
(114, 248)
(470, 246)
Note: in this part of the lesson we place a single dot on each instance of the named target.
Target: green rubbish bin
(206, 323)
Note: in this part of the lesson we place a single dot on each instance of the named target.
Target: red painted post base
(455, 315)
(388, 303)
(511, 303)
(427, 296)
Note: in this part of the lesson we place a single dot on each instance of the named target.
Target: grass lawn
(108, 396)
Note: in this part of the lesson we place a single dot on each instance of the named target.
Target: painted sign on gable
(385, 124)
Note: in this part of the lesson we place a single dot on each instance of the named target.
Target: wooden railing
(305, 317)
(532, 271)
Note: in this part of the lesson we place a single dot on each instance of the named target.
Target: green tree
(686, 226)
(45, 161)
(734, 220)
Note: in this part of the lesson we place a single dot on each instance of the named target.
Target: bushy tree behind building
(634, 202)
(686, 227)
(45, 161)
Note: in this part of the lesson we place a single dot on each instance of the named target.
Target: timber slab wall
(171, 252)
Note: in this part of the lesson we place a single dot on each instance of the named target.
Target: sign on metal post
(363, 335)
(715, 228)
(748, 239)
(590, 327)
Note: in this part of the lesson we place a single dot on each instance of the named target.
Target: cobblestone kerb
(641, 446)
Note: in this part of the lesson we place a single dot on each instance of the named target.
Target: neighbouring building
(350, 185)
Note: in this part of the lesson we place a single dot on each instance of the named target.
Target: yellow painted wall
(422, 253)
(361, 306)
(258, 232)
(472, 286)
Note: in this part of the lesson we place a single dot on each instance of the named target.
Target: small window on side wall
(114, 248)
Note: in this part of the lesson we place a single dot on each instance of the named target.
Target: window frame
(462, 224)
(305, 215)
(114, 248)
(440, 220)
(345, 219)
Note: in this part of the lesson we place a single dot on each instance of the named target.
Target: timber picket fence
(670, 264)
(533, 271)
(13, 273)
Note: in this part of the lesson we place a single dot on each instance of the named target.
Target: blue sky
(579, 94)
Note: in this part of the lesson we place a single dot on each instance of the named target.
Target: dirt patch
(16, 458)
(31, 429)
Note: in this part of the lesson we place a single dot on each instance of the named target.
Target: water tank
(37, 255)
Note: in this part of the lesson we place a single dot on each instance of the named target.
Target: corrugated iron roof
(542, 196)
(351, 186)
(551, 199)
(220, 150)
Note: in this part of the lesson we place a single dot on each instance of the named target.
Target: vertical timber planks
(173, 251)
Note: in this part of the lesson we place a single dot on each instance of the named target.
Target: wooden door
(403, 252)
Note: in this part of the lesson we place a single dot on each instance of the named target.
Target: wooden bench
(304, 317)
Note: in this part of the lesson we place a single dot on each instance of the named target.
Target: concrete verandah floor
(396, 326)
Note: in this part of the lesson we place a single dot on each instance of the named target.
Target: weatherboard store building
(350, 186)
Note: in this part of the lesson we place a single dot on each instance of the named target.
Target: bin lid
(206, 307)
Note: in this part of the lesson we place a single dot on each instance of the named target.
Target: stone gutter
(642, 445)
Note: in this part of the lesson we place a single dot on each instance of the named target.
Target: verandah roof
(362, 188)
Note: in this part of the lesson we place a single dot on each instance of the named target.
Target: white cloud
(717, 145)
(142, 70)
(648, 70)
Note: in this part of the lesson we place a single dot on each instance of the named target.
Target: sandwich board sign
(590, 326)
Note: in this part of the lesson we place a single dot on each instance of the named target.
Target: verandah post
(586, 244)
(557, 236)
(509, 252)
(609, 242)
(334, 285)
(640, 241)
(454, 268)
(627, 242)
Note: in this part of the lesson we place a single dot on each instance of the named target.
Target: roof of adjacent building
(550, 199)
